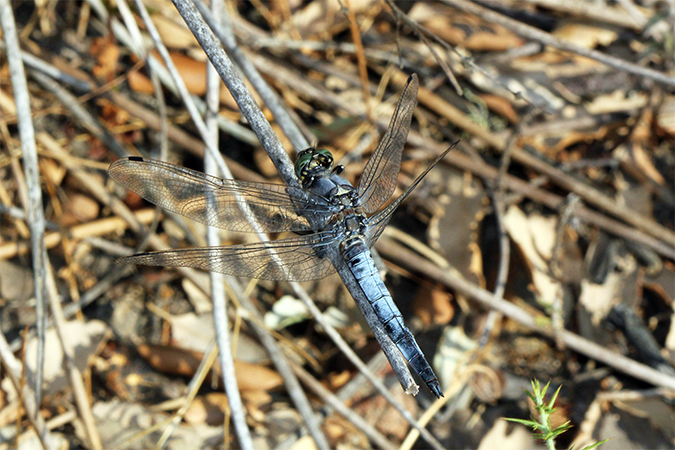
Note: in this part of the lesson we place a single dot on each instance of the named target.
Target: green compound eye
(302, 163)
(324, 152)
(323, 157)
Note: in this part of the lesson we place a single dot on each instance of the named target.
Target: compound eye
(325, 157)
(324, 152)
(301, 164)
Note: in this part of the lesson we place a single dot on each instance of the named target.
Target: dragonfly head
(313, 162)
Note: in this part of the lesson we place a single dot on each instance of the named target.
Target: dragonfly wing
(379, 176)
(296, 259)
(230, 204)
(378, 222)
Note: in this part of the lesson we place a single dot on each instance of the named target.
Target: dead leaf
(107, 54)
(83, 338)
(16, 282)
(665, 118)
(256, 377)
(501, 106)
(78, 209)
(535, 236)
(433, 306)
(176, 361)
(584, 35)
(210, 409)
(173, 34)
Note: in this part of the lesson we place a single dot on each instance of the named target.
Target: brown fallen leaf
(501, 106)
(176, 361)
(210, 409)
(107, 54)
(432, 305)
(79, 208)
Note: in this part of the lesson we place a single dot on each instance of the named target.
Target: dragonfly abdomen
(360, 263)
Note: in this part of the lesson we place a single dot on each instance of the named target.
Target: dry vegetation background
(541, 247)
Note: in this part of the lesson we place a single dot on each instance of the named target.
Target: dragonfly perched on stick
(336, 223)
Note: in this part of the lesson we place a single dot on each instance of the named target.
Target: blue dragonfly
(336, 223)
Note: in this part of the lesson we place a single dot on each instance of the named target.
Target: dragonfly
(336, 224)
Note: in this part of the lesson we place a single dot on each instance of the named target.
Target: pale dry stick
(535, 34)
(573, 341)
(237, 88)
(74, 374)
(36, 218)
(566, 215)
(13, 370)
(333, 403)
(218, 58)
(53, 71)
(220, 317)
(5, 198)
(256, 39)
(271, 346)
(257, 121)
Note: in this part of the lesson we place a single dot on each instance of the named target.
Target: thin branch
(36, 218)
(220, 316)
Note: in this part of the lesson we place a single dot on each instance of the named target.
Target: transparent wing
(233, 205)
(379, 221)
(295, 259)
(379, 176)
